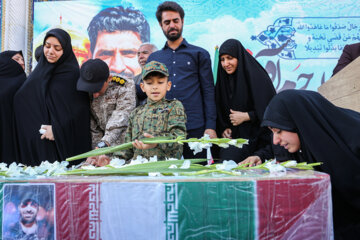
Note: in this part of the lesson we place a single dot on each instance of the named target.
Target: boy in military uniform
(113, 99)
(158, 117)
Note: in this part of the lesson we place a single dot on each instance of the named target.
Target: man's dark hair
(169, 6)
(25, 202)
(118, 19)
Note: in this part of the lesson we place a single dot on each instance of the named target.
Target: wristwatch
(101, 145)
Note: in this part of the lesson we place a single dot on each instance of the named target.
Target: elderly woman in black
(49, 101)
(315, 130)
(12, 76)
(243, 90)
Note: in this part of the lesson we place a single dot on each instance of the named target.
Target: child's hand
(140, 145)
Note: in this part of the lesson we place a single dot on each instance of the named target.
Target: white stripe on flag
(132, 211)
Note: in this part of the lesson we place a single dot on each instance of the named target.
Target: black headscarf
(249, 89)
(328, 134)
(12, 76)
(49, 97)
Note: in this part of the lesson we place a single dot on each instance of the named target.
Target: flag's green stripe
(216, 210)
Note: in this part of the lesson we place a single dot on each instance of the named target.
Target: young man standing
(190, 73)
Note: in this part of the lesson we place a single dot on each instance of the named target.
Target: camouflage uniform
(110, 113)
(162, 118)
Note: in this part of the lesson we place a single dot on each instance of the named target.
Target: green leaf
(144, 168)
(158, 140)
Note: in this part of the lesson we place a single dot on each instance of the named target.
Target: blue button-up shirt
(192, 82)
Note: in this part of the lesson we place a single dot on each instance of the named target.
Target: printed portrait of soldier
(28, 212)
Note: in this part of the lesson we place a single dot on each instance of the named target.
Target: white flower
(64, 163)
(186, 164)
(153, 159)
(274, 167)
(198, 146)
(14, 170)
(139, 159)
(155, 174)
(223, 145)
(30, 171)
(234, 142)
(3, 166)
(226, 165)
(88, 167)
(42, 131)
(116, 162)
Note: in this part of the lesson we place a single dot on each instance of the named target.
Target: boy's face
(155, 87)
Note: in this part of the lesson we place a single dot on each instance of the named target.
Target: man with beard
(28, 228)
(190, 73)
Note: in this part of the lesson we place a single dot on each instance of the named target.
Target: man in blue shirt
(190, 73)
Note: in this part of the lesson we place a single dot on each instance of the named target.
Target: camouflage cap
(154, 66)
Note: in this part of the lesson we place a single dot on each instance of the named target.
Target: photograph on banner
(28, 211)
(111, 32)
(296, 42)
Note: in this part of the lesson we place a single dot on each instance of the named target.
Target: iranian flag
(142, 208)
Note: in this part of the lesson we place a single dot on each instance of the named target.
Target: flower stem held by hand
(140, 145)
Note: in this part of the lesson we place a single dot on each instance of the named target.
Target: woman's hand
(252, 160)
(98, 161)
(226, 133)
(140, 145)
(48, 134)
(237, 117)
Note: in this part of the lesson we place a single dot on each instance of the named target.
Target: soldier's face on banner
(28, 211)
(119, 50)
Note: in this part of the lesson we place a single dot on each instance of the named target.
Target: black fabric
(248, 89)
(330, 135)
(12, 76)
(49, 97)
(93, 74)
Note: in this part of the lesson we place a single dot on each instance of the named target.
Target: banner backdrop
(298, 42)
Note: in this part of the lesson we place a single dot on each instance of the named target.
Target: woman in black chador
(315, 130)
(243, 90)
(49, 100)
(12, 76)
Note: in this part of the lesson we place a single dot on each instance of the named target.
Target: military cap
(154, 66)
